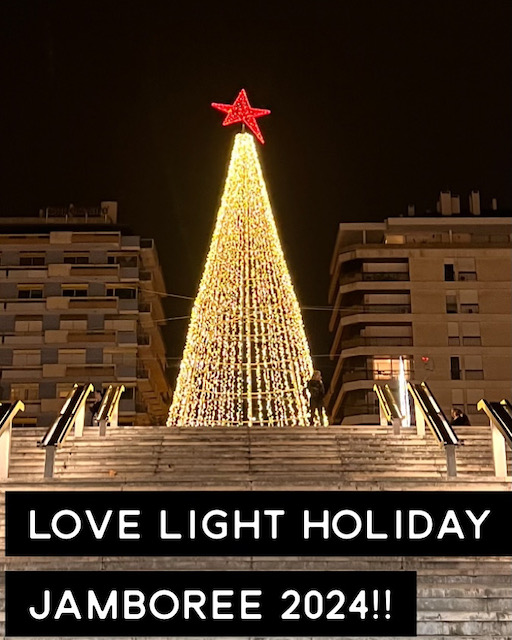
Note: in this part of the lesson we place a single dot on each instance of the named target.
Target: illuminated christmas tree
(246, 359)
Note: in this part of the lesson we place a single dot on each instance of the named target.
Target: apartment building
(434, 290)
(80, 301)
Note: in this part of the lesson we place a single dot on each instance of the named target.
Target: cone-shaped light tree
(246, 359)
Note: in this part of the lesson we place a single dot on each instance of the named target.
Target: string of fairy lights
(246, 359)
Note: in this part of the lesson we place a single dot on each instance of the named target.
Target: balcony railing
(469, 308)
(375, 308)
(369, 374)
(473, 374)
(377, 276)
(385, 341)
(467, 275)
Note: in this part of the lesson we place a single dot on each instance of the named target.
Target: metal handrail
(500, 421)
(8, 410)
(433, 414)
(499, 414)
(387, 402)
(68, 416)
(109, 407)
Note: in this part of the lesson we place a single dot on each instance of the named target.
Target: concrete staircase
(344, 456)
(468, 598)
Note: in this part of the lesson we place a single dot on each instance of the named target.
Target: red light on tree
(241, 111)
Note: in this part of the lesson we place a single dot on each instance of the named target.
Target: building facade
(434, 290)
(80, 302)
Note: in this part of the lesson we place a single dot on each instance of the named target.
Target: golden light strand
(246, 358)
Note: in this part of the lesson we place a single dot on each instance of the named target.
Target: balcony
(24, 273)
(35, 337)
(88, 371)
(469, 308)
(90, 336)
(81, 270)
(375, 308)
(24, 305)
(473, 374)
(369, 276)
(369, 374)
(384, 341)
(90, 302)
(467, 276)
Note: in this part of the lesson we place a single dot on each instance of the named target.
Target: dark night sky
(374, 105)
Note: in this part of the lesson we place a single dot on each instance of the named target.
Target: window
(473, 368)
(30, 324)
(71, 356)
(453, 334)
(458, 399)
(120, 357)
(124, 293)
(386, 368)
(32, 260)
(119, 324)
(78, 258)
(123, 261)
(468, 300)
(73, 323)
(471, 334)
(455, 368)
(466, 269)
(449, 272)
(24, 391)
(26, 358)
(26, 292)
(473, 398)
(451, 302)
(74, 291)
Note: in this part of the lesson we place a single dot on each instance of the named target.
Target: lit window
(388, 368)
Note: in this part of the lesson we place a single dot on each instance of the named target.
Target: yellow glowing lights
(246, 359)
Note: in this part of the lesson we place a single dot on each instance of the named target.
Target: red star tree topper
(241, 111)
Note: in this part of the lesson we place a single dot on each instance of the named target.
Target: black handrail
(500, 414)
(60, 429)
(7, 412)
(433, 414)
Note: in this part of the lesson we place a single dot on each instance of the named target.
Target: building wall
(78, 304)
(451, 300)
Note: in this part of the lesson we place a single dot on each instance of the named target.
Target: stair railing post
(383, 417)
(499, 452)
(114, 418)
(80, 421)
(451, 461)
(5, 450)
(397, 423)
(103, 427)
(49, 460)
(420, 420)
